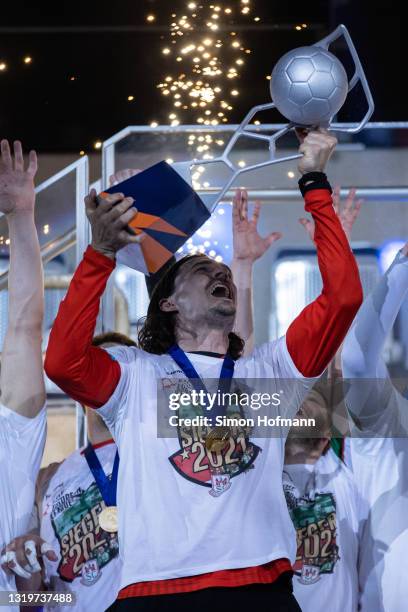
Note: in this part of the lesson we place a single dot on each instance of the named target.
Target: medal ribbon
(224, 383)
(106, 486)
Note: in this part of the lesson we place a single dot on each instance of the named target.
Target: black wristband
(314, 180)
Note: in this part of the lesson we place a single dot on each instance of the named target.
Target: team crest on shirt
(310, 574)
(85, 548)
(316, 534)
(196, 463)
(90, 572)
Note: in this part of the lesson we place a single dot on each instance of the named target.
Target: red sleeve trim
(100, 445)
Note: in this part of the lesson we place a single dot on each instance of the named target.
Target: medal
(217, 439)
(108, 519)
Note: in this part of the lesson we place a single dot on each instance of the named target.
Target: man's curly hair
(157, 333)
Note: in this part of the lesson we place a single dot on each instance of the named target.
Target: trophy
(308, 86)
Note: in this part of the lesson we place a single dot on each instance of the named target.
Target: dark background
(91, 41)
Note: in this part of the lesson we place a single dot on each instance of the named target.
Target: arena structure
(374, 161)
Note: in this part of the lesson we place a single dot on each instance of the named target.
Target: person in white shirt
(22, 401)
(206, 508)
(328, 513)
(377, 451)
(69, 500)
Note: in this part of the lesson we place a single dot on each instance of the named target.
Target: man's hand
(109, 220)
(16, 184)
(347, 212)
(23, 555)
(317, 147)
(248, 244)
(122, 175)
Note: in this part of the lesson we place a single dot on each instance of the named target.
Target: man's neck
(208, 340)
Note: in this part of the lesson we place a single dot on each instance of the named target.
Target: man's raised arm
(22, 381)
(363, 346)
(248, 246)
(362, 351)
(87, 373)
(315, 335)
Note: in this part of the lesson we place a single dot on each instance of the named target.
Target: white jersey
(328, 514)
(183, 510)
(21, 448)
(88, 563)
(379, 460)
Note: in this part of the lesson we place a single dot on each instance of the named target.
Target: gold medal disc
(217, 439)
(108, 519)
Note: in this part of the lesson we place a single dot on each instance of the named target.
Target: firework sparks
(205, 58)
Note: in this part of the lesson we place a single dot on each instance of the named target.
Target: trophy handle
(240, 131)
(358, 75)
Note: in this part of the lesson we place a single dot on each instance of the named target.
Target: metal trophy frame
(244, 130)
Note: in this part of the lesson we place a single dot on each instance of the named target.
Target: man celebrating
(180, 546)
(22, 412)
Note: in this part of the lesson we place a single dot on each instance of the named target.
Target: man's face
(204, 293)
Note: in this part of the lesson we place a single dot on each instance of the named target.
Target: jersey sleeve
(113, 412)
(19, 432)
(86, 373)
(316, 334)
(124, 354)
(131, 362)
(22, 442)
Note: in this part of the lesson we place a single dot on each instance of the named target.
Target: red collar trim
(100, 444)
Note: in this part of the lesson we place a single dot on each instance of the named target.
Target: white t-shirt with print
(88, 562)
(176, 518)
(21, 448)
(329, 515)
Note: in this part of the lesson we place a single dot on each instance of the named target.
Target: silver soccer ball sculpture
(309, 85)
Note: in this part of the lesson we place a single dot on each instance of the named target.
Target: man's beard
(221, 314)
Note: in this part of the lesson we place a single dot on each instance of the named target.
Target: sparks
(202, 63)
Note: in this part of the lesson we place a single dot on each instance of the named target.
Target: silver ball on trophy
(309, 85)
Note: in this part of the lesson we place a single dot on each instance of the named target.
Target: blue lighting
(214, 238)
